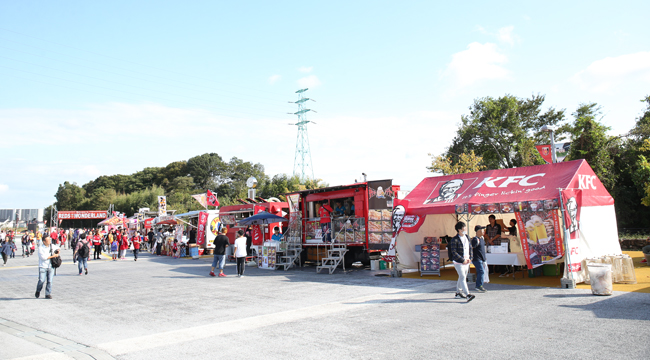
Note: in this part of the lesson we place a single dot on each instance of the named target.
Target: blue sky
(106, 87)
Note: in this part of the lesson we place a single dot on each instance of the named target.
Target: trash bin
(374, 264)
(601, 278)
(194, 251)
(628, 276)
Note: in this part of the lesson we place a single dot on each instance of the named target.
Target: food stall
(360, 220)
(557, 206)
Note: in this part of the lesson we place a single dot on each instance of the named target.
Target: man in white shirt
(240, 252)
(46, 251)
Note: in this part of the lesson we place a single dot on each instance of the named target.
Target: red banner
(541, 236)
(203, 221)
(256, 234)
(147, 223)
(77, 215)
(545, 152)
(212, 199)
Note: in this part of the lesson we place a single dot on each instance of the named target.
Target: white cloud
(479, 62)
(506, 35)
(612, 72)
(274, 78)
(309, 81)
(305, 69)
(3, 188)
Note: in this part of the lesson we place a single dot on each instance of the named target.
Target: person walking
(478, 246)
(115, 247)
(124, 245)
(64, 238)
(240, 252)
(13, 248)
(6, 249)
(150, 235)
(461, 255)
(82, 252)
(24, 241)
(159, 242)
(46, 251)
(221, 242)
(97, 244)
(136, 246)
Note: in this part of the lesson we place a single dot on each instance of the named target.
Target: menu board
(430, 256)
(267, 260)
(380, 226)
(507, 208)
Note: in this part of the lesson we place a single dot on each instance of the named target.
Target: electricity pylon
(302, 161)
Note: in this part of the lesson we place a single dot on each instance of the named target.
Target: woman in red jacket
(124, 244)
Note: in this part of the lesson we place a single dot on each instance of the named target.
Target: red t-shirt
(324, 213)
(136, 242)
(96, 240)
(63, 238)
(54, 235)
(124, 244)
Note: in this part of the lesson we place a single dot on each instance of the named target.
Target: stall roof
(190, 214)
(441, 194)
(333, 188)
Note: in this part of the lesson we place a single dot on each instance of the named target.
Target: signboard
(430, 256)
(76, 215)
(380, 194)
(213, 226)
(267, 260)
(162, 205)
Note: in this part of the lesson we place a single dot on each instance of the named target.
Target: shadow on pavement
(614, 306)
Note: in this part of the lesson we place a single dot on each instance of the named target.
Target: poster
(213, 226)
(540, 234)
(572, 200)
(200, 236)
(268, 257)
(162, 205)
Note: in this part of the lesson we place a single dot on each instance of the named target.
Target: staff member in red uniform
(325, 221)
(136, 245)
(97, 243)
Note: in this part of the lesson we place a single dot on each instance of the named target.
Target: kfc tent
(529, 194)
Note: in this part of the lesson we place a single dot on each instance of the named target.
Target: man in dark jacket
(460, 252)
(478, 244)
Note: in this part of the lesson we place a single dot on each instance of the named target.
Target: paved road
(163, 308)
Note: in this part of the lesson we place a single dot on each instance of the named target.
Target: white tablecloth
(515, 259)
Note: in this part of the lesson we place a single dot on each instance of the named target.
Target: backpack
(83, 250)
(55, 261)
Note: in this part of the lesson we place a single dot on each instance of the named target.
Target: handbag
(55, 261)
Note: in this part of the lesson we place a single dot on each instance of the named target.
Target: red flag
(212, 199)
(203, 221)
(545, 152)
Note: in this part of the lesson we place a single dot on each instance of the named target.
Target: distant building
(24, 215)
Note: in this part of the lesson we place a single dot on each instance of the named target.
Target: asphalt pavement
(164, 308)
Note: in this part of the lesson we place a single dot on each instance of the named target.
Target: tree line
(178, 181)
(502, 132)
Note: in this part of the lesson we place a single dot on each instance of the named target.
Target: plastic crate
(536, 272)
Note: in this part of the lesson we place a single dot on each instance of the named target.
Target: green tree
(208, 171)
(503, 131)
(465, 163)
(591, 142)
(69, 196)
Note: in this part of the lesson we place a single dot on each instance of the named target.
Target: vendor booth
(557, 206)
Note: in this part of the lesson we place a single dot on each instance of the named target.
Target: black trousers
(241, 265)
(98, 252)
(135, 253)
(158, 248)
(4, 258)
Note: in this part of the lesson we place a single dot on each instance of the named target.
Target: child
(114, 247)
(175, 249)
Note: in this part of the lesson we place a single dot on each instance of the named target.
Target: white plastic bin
(600, 276)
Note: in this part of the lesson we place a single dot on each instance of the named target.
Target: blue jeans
(220, 260)
(82, 263)
(480, 272)
(45, 275)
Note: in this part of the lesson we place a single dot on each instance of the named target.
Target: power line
(115, 82)
(128, 61)
(127, 92)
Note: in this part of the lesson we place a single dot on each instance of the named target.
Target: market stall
(557, 206)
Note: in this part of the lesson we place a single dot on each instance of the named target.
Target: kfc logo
(448, 192)
(572, 209)
(398, 216)
(586, 182)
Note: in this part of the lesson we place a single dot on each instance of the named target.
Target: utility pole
(302, 166)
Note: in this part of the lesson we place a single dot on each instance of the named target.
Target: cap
(478, 227)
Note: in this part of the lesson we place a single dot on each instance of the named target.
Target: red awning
(441, 194)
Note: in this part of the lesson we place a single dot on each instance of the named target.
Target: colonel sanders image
(398, 215)
(448, 191)
(572, 208)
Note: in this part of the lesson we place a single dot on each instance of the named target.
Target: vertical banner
(162, 205)
(399, 211)
(540, 234)
(572, 200)
(214, 224)
(256, 234)
(200, 235)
